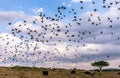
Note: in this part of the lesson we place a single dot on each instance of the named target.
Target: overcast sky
(86, 31)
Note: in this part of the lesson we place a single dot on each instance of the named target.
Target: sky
(84, 31)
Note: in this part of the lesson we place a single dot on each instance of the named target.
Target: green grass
(33, 72)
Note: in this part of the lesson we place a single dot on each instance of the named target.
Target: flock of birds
(28, 50)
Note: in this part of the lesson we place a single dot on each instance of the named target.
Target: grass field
(32, 72)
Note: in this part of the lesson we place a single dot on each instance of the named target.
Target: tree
(100, 64)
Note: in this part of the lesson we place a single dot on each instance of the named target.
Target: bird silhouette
(41, 40)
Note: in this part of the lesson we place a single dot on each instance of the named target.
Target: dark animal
(73, 72)
(45, 73)
(89, 73)
(118, 73)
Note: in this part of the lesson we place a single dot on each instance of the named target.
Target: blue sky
(102, 44)
(28, 5)
(50, 7)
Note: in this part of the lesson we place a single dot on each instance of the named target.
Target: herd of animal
(53, 33)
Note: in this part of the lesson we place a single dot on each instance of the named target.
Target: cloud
(66, 4)
(81, 0)
(37, 10)
(84, 48)
(10, 16)
(61, 55)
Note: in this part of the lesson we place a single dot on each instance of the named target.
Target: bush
(97, 70)
(87, 72)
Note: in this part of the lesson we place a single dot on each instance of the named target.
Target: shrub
(87, 72)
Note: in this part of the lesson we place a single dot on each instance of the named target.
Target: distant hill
(111, 69)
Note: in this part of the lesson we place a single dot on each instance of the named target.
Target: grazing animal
(73, 72)
(45, 73)
(118, 73)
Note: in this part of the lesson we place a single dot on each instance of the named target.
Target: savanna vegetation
(100, 64)
(33, 72)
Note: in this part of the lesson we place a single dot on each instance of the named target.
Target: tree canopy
(100, 64)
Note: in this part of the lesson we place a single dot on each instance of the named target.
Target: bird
(44, 41)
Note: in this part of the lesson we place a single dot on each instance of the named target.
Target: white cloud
(66, 4)
(63, 3)
(40, 10)
(92, 47)
(64, 52)
(37, 10)
(81, 0)
(10, 15)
